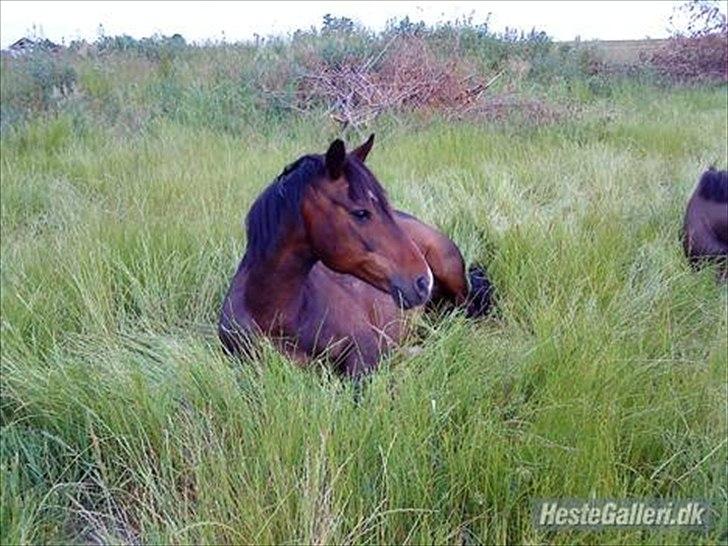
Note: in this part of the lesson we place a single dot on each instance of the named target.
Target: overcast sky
(64, 20)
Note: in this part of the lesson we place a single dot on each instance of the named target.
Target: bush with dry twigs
(406, 75)
(698, 53)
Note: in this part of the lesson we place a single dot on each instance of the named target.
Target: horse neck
(275, 284)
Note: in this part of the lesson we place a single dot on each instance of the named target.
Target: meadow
(602, 374)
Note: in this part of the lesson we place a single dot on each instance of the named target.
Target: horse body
(340, 271)
(705, 228)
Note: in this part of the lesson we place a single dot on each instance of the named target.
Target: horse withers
(705, 227)
(331, 268)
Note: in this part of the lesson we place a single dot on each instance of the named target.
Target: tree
(697, 18)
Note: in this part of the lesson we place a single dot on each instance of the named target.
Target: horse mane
(713, 186)
(280, 202)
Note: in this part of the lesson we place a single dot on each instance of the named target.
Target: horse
(705, 226)
(331, 268)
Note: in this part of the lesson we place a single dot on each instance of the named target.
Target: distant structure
(26, 45)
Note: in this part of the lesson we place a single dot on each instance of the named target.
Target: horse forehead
(345, 187)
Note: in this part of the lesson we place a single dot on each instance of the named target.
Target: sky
(64, 21)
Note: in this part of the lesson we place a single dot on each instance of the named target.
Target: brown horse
(705, 229)
(330, 267)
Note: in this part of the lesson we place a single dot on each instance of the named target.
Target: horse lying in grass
(705, 229)
(331, 267)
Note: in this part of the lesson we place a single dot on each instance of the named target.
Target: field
(625, 51)
(602, 374)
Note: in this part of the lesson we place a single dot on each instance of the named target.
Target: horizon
(200, 22)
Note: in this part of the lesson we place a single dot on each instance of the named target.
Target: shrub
(699, 52)
(693, 59)
(38, 80)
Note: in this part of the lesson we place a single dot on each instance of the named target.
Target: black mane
(280, 202)
(713, 186)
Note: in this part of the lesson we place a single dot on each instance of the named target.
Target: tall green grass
(603, 374)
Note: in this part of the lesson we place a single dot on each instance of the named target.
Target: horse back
(442, 255)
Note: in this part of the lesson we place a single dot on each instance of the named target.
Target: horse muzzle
(411, 293)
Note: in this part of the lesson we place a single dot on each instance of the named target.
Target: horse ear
(335, 159)
(363, 151)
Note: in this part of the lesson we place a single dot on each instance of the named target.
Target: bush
(37, 81)
(699, 52)
(693, 58)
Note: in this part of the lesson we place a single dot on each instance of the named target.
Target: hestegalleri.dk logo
(630, 513)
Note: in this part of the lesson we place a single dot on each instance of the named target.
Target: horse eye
(361, 214)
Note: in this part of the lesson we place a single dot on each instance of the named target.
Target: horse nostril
(422, 285)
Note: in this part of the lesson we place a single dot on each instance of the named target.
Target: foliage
(698, 59)
(700, 52)
(129, 82)
(704, 17)
(39, 85)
